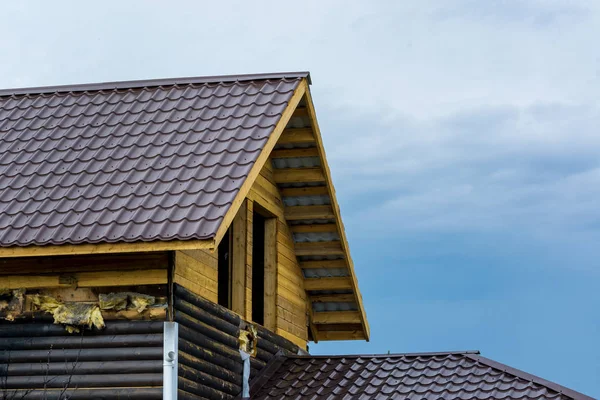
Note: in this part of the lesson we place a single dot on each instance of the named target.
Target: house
(182, 238)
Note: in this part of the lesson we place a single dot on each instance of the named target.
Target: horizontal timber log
(199, 350)
(205, 317)
(341, 335)
(319, 249)
(182, 395)
(333, 298)
(114, 328)
(295, 153)
(85, 367)
(78, 341)
(295, 213)
(100, 354)
(305, 191)
(86, 394)
(313, 228)
(210, 307)
(81, 381)
(210, 332)
(298, 175)
(277, 340)
(296, 135)
(336, 317)
(208, 367)
(207, 380)
(300, 112)
(268, 346)
(197, 389)
(337, 283)
(256, 363)
(86, 279)
(263, 355)
(323, 264)
(209, 344)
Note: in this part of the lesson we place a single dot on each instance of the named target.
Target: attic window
(258, 268)
(264, 268)
(224, 270)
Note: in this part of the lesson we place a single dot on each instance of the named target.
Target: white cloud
(533, 169)
(448, 115)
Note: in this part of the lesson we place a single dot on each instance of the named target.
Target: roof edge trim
(418, 354)
(274, 136)
(312, 115)
(105, 248)
(154, 82)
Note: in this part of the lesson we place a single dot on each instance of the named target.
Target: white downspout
(170, 349)
(245, 375)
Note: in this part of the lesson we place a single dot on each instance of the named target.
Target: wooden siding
(197, 271)
(210, 363)
(292, 302)
(40, 360)
(83, 263)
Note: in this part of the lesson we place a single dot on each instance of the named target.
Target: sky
(462, 136)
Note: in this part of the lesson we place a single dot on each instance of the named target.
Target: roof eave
(104, 248)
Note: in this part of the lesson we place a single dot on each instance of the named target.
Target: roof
(447, 375)
(166, 165)
(131, 161)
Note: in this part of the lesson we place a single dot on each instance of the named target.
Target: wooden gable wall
(197, 270)
(291, 297)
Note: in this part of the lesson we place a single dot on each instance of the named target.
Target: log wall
(210, 365)
(40, 360)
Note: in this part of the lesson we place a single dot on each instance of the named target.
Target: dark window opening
(224, 271)
(258, 268)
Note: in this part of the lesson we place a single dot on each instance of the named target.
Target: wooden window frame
(270, 265)
(241, 263)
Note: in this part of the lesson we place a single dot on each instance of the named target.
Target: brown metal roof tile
(131, 161)
(449, 376)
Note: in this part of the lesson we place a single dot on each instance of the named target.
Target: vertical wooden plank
(170, 286)
(249, 227)
(238, 259)
(271, 274)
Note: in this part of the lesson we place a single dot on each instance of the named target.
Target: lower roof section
(447, 375)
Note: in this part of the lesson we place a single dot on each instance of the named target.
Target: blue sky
(462, 136)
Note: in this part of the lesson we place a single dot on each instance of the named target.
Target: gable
(315, 269)
(145, 161)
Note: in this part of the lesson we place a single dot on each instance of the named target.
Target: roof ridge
(433, 353)
(529, 377)
(154, 82)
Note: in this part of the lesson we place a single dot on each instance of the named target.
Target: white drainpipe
(245, 375)
(170, 349)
